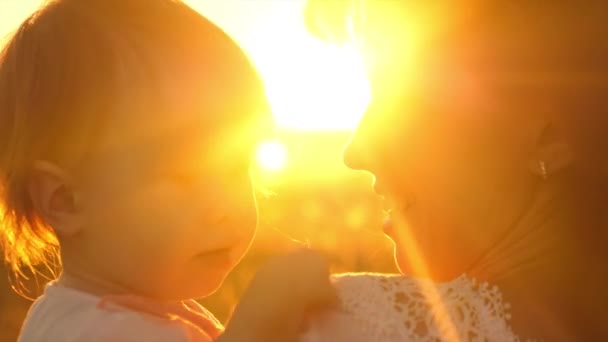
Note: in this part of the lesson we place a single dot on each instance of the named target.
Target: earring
(543, 169)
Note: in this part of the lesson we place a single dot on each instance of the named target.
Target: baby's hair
(68, 66)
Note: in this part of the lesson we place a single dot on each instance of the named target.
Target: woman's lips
(388, 226)
(395, 214)
(379, 188)
(394, 200)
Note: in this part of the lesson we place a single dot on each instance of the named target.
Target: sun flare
(321, 88)
(272, 156)
(311, 85)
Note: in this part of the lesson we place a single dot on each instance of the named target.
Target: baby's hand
(282, 294)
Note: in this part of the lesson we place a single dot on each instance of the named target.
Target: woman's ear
(54, 198)
(552, 152)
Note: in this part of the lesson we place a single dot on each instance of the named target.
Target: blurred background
(306, 196)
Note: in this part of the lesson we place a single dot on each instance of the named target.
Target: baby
(126, 132)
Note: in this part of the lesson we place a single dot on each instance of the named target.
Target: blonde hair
(60, 74)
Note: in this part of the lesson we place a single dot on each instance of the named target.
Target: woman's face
(450, 156)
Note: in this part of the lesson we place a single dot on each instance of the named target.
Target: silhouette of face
(445, 150)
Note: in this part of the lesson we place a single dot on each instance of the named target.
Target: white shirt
(64, 314)
(396, 308)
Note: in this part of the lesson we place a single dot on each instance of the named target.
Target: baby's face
(167, 198)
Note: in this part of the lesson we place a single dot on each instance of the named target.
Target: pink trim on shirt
(198, 324)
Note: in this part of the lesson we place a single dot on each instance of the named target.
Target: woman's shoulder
(391, 307)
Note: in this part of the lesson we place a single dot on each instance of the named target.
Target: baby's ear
(54, 198)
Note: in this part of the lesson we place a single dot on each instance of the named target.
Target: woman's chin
(406, 263)
(401, 257)
(401, 261)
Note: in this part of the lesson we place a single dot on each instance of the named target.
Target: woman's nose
(363, 147)
(369, 145)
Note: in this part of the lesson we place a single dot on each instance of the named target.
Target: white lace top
(382, 307)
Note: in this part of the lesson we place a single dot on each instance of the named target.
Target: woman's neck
(533, 275)
(531, 243)
(540, 266)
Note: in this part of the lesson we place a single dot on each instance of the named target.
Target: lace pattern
(381, 307)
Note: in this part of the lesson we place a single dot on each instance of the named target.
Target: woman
(486, 131)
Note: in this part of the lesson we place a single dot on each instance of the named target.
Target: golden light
(310, 84)
(272, 156)
(323, 88)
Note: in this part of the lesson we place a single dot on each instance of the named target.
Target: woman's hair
(69, 65)
(545, 53)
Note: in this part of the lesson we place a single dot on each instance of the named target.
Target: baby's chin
(195, 281)
(205, 274)
(206, 287)
(197, 286)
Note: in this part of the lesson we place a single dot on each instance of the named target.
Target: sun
(271, 156)
(322, 87)
(311, 85)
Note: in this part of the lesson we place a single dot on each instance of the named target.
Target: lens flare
(272, 156)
